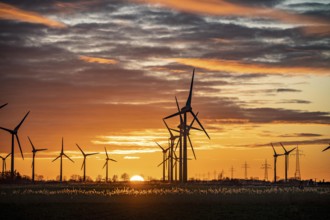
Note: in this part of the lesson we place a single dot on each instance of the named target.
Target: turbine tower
(187, 109)
(275, 160)
(106, 164)
(4, 163)
(286, 154)
(265, 166)
(34, 151)
(84, 163)
(60, 156)
(164, 159)
(14, 133)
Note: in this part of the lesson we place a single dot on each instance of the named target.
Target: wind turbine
(60, 156)
(172, 139)
(286, 154)
(34, 151)
(14, 133)
(3, 105)
(4, 163)
(327, 148)
(106, 164)
(275, 160)
(84, 163)
(164, 159)
(187, 109)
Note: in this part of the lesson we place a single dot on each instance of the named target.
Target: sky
(104, 73)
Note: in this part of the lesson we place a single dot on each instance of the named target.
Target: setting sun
(137, 178)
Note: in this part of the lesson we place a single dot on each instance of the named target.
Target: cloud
(97, 60)
(287, 90)
(234, 66)
(224, 8)
(131, 157)
(301, 135)
(9, 12)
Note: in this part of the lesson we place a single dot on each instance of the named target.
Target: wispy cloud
(226, 8)
(234, 66)
(89, 59)
(10, 12)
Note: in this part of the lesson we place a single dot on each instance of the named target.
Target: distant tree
(75, 178)
(115, 178)
(39, 177)
(99, 178)
(125, 177)
(88, 179)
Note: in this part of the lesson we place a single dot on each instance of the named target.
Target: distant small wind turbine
(4, 163)
(327, 148)
(275, 160)
(60, 156)
(286, 154)
(14, 133)
(34, 151)
(106, 164)
(164, 159)
(84, 163)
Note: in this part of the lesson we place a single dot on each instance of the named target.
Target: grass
(162, 201)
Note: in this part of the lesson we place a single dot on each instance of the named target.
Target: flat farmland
(162, 201)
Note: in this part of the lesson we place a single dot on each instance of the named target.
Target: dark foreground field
(162, 201)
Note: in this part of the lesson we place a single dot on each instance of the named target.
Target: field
(162, 201)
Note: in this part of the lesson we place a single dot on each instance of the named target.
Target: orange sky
(104, 74)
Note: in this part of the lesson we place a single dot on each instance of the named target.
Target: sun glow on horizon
(137, 178)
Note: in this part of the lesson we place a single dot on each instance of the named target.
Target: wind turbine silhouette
(327, 148)
(4, 163)
(3, 105)
(84, 163)
(60, 156)
(172, 139)
(14, 133)
(106, 164)
(275, 160)
(34, 151)
(187, 109)
(286, 154)
(164, 159)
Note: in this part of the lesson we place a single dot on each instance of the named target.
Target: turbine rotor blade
(68, 157)
(169, 130)
(31, 144)
(188, 103)
(80, 150)
(284, 148)
(162, 162)
(106, 152)
(327, 148)
(6, 129)
(113, 160)
(19, 125)
(19, 145)
(106, 162)
(41, 149)
(192, 148)
(171, 116)
(83, 164)
(3, 105)
(200, 124)
(62, 146)
(177, 104)
(56, 158)
(160, 146)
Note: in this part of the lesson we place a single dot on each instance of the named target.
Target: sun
(136, 178)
